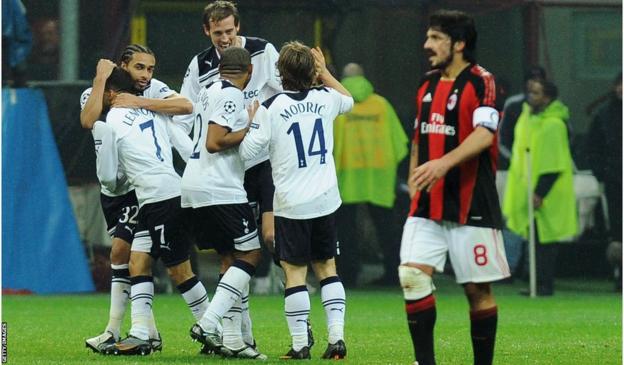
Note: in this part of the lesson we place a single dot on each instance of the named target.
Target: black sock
(483, 333)
(421, 317)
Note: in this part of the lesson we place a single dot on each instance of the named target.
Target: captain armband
(487, 117)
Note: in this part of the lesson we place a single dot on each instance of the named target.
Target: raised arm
(92, 109)
(324, 75)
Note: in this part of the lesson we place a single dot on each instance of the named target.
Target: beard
(444, 63)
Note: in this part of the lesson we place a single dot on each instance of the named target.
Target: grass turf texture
(581, 324)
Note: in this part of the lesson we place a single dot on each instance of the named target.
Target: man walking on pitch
(454, 204)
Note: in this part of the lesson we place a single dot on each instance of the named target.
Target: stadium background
(578, 42)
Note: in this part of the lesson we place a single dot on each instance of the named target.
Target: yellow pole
(138, 30)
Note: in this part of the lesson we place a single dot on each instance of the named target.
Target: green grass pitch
(581, 324)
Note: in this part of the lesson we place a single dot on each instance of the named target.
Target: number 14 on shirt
(317, 133)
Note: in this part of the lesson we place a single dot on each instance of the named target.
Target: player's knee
(120, 252)
(140, 264)
(252, 257)
(415, 283)
(268, 238)
(181, 272)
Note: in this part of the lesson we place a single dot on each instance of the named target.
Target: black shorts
(259, 187)
(120, 213)
(224, 227)
(300, 241)
(160, 232)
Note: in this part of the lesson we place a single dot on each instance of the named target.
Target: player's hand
(126, 100)
(426, 175)
(319, 61)
(104, 68)
(251, 111)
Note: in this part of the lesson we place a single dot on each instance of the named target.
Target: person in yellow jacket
(369, 143)
(541, 129)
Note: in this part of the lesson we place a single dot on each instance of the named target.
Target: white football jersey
(298, 127)
(215, 178)
(156, 90)
(265, 81)
(141, 145)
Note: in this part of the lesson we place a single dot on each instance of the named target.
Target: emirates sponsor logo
(431, 128)
(437, 126)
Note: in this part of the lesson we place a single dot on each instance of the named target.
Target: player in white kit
(138, 141)
(221, 23)
(216, 202)
(120, 207)
(297, 125)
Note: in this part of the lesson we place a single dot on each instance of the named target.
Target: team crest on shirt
(229, 107)
(452, 101)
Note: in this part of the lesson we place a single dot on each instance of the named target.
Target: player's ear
(206, 30)
(459, 46)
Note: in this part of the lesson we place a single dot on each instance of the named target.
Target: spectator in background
(511, 111)
(46, 51)
(16, 42)
(605, 139)
(541, 129)
(369, 144)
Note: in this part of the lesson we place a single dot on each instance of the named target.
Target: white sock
(297, 310)
(232, 337)
(142, 296)
(229, 290)
(333, 298)
(119, 297)
(195, 296)
(246, 326)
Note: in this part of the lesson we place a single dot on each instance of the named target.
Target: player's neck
(454, 69)
(239, 82)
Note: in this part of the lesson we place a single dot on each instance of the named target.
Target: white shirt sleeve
(107, 160)
(84, 97)
(345, 102)
(228, 109)
(258, 136)
(180, 139)
(273, 77)
(190, 90)
(159, 90)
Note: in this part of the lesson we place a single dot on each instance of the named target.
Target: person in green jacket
(541, 129)
(369, 143)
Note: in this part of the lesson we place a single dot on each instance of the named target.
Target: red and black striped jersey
(444, 119)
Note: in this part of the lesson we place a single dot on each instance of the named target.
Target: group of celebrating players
(153, 213)
(261, 157)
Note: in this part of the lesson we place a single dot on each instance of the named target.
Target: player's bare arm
(426, 175)
(323, 73)
(175, 104)
(412, 166)
(220, 138)
(93, 107)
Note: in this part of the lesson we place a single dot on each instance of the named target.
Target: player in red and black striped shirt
(454, 206)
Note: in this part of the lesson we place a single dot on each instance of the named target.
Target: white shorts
(477, 253)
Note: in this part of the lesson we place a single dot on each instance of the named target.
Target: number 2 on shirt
(317, 131)
(150, 124)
